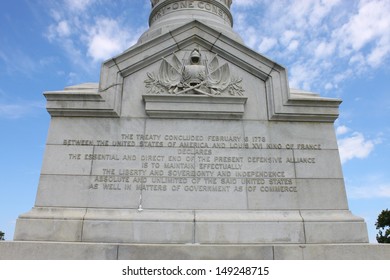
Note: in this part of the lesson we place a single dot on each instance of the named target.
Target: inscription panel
(201, 169)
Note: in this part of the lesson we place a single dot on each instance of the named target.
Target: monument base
(22, 250)
(131, 226)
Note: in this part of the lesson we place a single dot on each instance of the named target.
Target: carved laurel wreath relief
(196, 75)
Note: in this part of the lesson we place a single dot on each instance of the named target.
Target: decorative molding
(194, 106)
(84, 100)
(282, 105)
(294, 105)
(197, 87)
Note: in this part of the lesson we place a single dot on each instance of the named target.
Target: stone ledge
(188, 226)
(194, 106)
(84, 100)
(101, 251)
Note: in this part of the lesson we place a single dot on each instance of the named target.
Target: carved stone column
(166, 15)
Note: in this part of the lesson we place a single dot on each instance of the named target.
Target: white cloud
(244, 3)
(63, 29)
(251, 36)
(16, 111)
(343, 75)
(342, 129)
(266, 44)
(321, 9)
(292, 47)
(78, 5)
(18, 61)
(370, 22)
(287, 36)
(373, 185)
(87, 29)
(107, 38)
(357, 59)
(324, 50)
(301, 75)
(369, 192)
(375, 58)
(329, 86)
(319, 38)
(72, 78)
(315, 38)
(367, 31)
(355, 146)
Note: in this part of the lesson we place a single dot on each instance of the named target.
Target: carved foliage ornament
(196, 76)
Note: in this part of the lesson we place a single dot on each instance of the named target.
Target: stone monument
(191, 146)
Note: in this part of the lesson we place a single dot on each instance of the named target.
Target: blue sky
(338, 48)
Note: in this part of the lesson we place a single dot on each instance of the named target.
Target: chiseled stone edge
(84, 100)
(15, 250)
(194, 106)
(289, 105)
(200, 226)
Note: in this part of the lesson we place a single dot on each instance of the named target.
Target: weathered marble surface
(102, 251)
(189, 165)
(191, 138)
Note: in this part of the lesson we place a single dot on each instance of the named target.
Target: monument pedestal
(191, 226)
(18, 250)
(192, 146)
